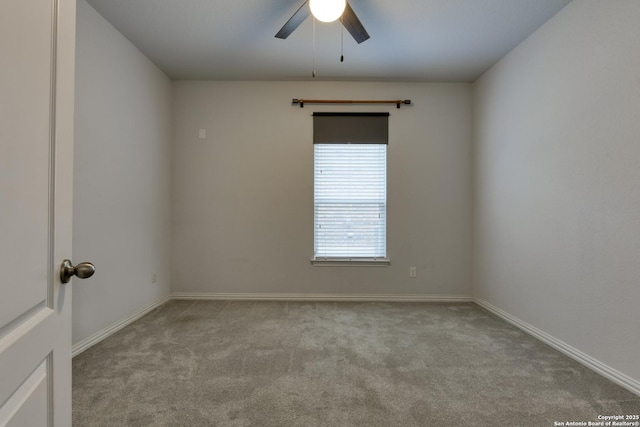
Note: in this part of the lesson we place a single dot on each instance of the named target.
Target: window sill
(350, 262)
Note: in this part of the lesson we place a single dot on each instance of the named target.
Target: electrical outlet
(412, 272)
(154, 277)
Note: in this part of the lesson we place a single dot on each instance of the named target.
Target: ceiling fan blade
(353, 25)
(294, 22)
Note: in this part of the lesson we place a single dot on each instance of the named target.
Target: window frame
(379, 136)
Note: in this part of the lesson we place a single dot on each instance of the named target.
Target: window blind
(350, 191)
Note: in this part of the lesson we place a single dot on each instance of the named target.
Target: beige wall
(557, 178)
(242, 218)
(121, 183)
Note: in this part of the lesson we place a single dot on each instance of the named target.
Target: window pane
(350, 200)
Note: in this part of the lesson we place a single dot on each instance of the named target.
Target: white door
(37, 48)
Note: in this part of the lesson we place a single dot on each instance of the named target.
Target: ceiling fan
(348, 19)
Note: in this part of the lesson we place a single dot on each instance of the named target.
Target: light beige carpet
(230, 363)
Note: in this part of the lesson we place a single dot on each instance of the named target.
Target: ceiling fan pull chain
(341, 41)
(313, 73)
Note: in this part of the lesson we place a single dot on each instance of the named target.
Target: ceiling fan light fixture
(327, 10)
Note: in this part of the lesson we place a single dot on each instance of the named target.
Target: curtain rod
(398, 102)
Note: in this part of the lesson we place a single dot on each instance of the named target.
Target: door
(37, 48)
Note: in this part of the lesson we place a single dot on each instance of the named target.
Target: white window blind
(350, 200)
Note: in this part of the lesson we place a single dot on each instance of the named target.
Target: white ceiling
(411, 40)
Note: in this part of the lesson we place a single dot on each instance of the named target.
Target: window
(350, 187)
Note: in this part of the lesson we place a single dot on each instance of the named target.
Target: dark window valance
(350, 128)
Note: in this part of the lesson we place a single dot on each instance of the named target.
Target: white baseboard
(321, 297)
(94, 339)
(606, 371)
